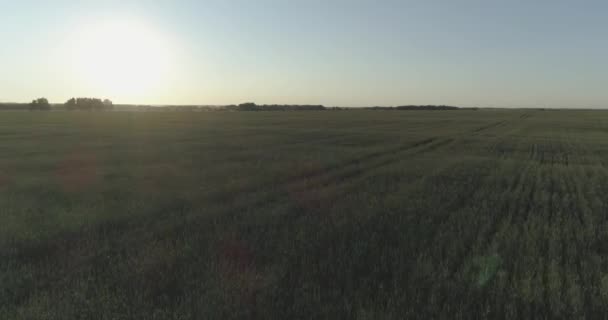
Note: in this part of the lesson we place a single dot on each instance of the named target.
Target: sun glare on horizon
(123, 59)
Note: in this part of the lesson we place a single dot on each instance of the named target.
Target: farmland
(304, 215)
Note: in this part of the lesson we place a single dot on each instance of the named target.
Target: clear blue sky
(543, 53)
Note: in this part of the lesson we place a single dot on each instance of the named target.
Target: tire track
(352, 168)
(481, 129)
(344, 170)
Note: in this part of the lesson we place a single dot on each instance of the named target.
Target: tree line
(42, 104)
(250, 106)
(89, 104)
(95, 104)
(416, 107)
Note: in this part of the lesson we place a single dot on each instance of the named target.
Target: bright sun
(121, 59)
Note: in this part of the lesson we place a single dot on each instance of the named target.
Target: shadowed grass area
(291, 215)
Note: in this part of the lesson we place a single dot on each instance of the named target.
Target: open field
(304, 215)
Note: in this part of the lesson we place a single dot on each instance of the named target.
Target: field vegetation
(487, 214)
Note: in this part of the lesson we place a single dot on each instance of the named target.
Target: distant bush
(89, 104)
(430, 107)
(250, 106)
(13, 106)
(413, 107)
(40, 104)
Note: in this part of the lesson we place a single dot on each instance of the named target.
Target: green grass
(304, 215)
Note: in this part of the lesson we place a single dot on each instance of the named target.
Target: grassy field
(304, 215)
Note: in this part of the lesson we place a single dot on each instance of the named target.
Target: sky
(471, 53)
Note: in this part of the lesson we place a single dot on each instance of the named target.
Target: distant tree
(88, 104)
(40, 104)
(248, 106)
(71, 104)
(107, 104)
